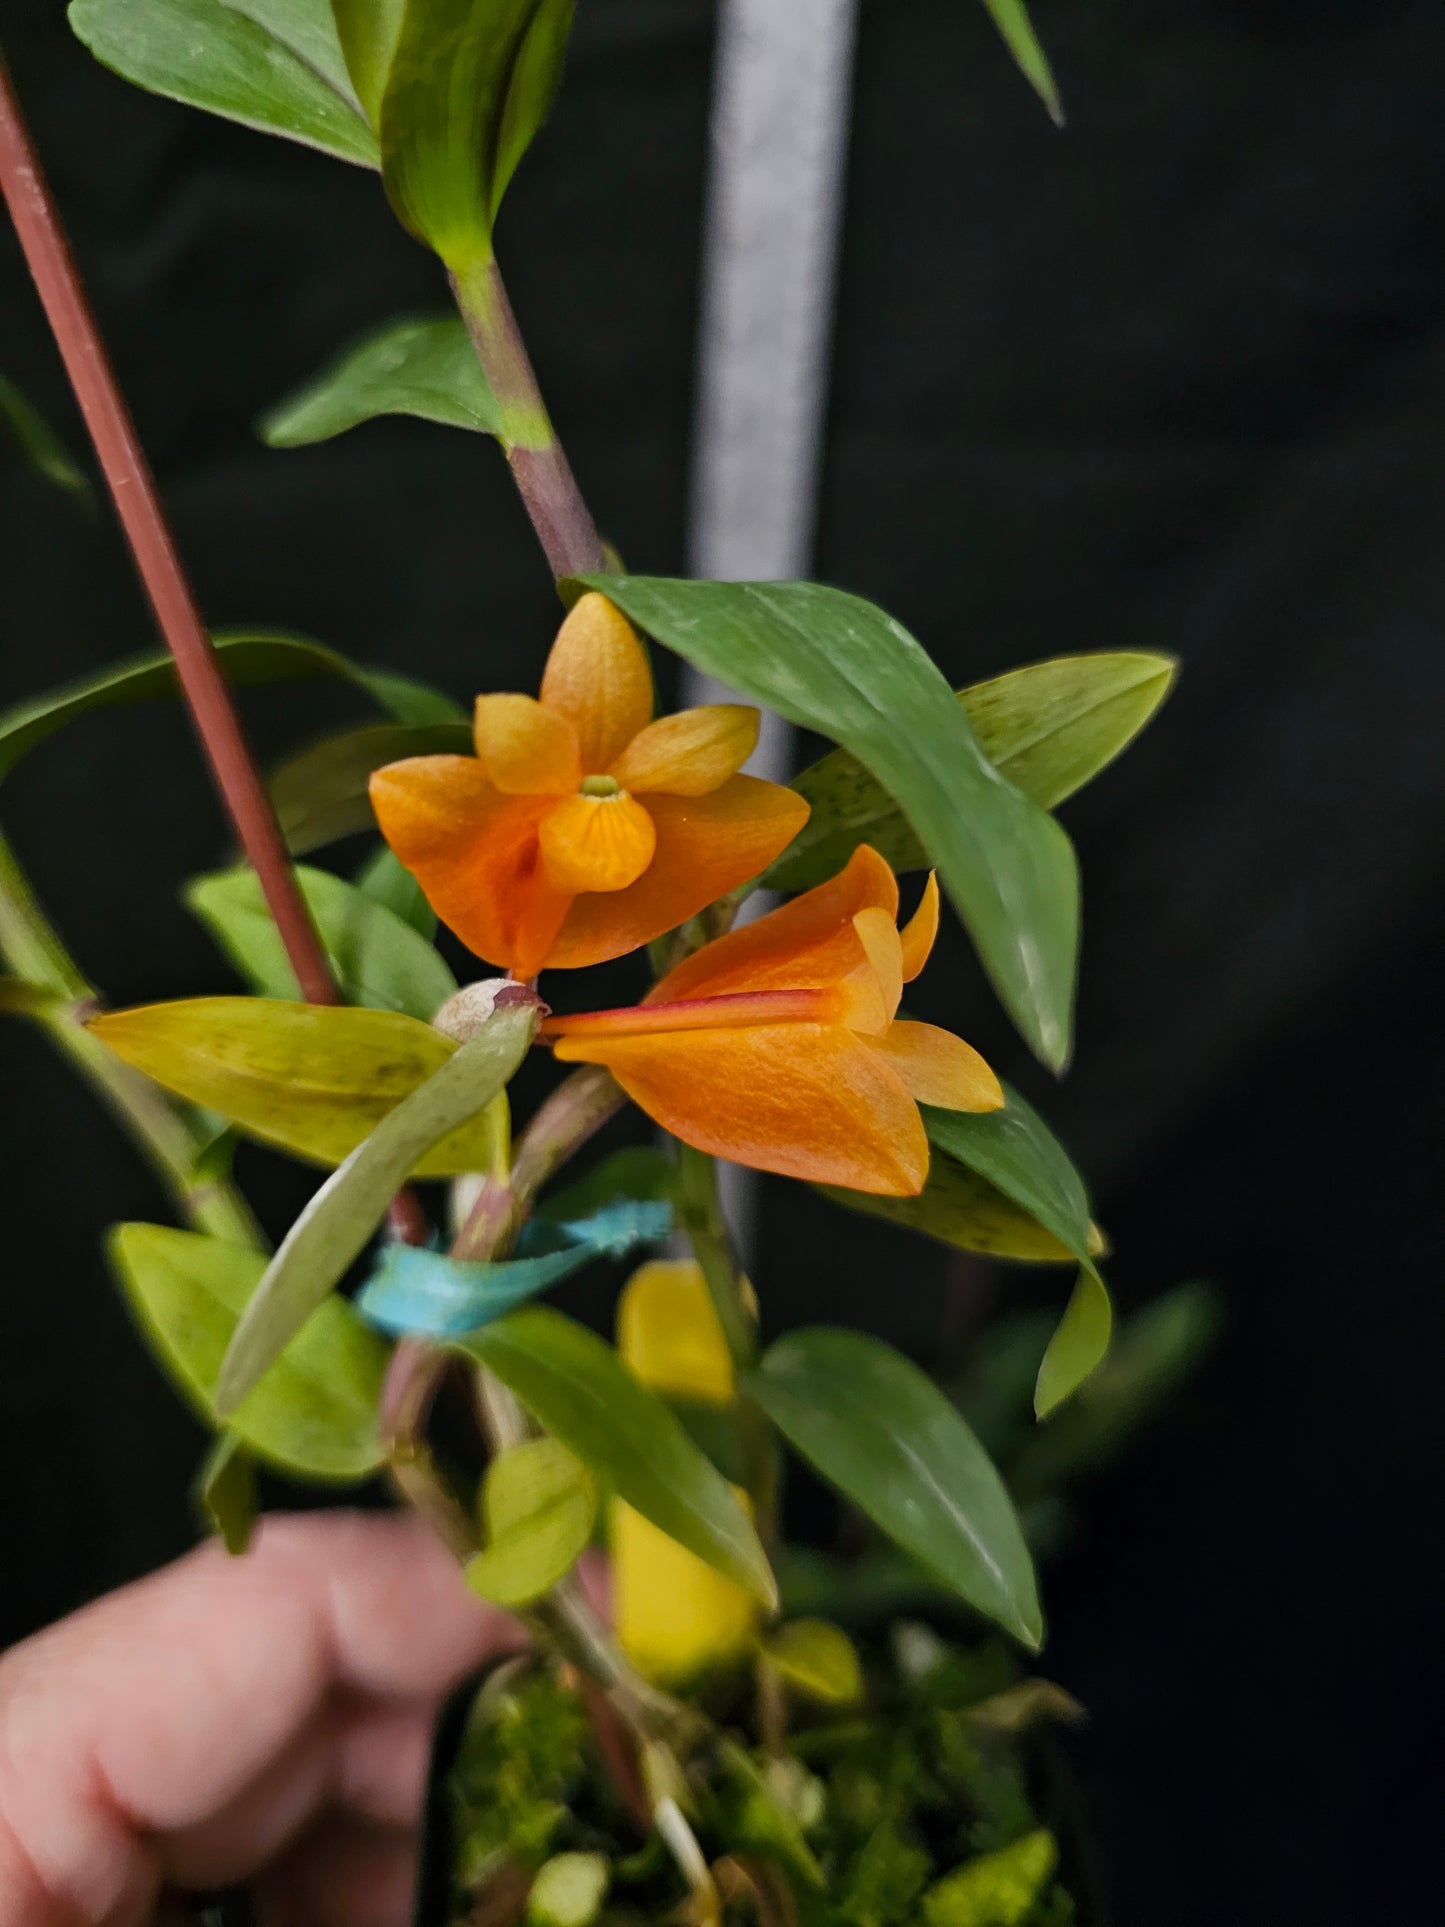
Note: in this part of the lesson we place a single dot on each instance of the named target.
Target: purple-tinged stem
(132, 488)
(544, 480)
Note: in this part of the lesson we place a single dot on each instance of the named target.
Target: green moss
(905, 1812)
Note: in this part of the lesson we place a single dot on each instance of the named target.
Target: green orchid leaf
(387, 881)
(958, 1207)
(1154, 1355)
(1017, 1153)
(369, 31)
(226, 1489)
(1078, 1345)
(378, 959)
(1012, 20)
(315, 1411)
(309, 1079)
(340, 1220)
(407, 700)
(308, 30)
(579, 1390)
(247, 657)
(38, 441)
(321, 794)
(210, 55)
(832, 662)
(999, 1889)
(538, 1505)
(1048, 728)
(470, 83)
(423, 368)
(880, 1430)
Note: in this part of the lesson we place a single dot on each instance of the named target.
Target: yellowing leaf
(339, 1221)
(538, 1505)
(1078, 1346)
(313, 1080)
(816, 1658)
(676, 1617)
(997, 1890)
(668, 1332)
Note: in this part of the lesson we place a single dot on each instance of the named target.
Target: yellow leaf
(313, 1080)
(818, 1659)
(668, 1333)
(538, 1504)
(676, 1616)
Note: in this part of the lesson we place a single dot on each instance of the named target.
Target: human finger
(141, 1718)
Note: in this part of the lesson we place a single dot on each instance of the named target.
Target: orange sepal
(474, 853)
(706, 846)
(810, 941)
(598, 677)
(939, 1068)
(805, 1100)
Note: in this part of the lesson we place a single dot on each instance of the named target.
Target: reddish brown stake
(133, 491)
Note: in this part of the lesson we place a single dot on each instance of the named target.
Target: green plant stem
(700, 1209)
(701, 1212)
(413, 1379)
(539, 467)
(578, 1108)
(34, 951)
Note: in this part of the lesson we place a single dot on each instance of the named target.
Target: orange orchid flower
(779, 1045)
(582, 829)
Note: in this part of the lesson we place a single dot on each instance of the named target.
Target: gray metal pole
(780, 124)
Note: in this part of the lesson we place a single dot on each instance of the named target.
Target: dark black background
(1171, 379)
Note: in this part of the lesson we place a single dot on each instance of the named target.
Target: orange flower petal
(598, 677)
(474, 852)
(524, 748)
(807, 942)
(940, 1069)
(706, 846)
(597, 842)
(540, 911)
(806, 1100)
(920, 933)
(691, 753)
